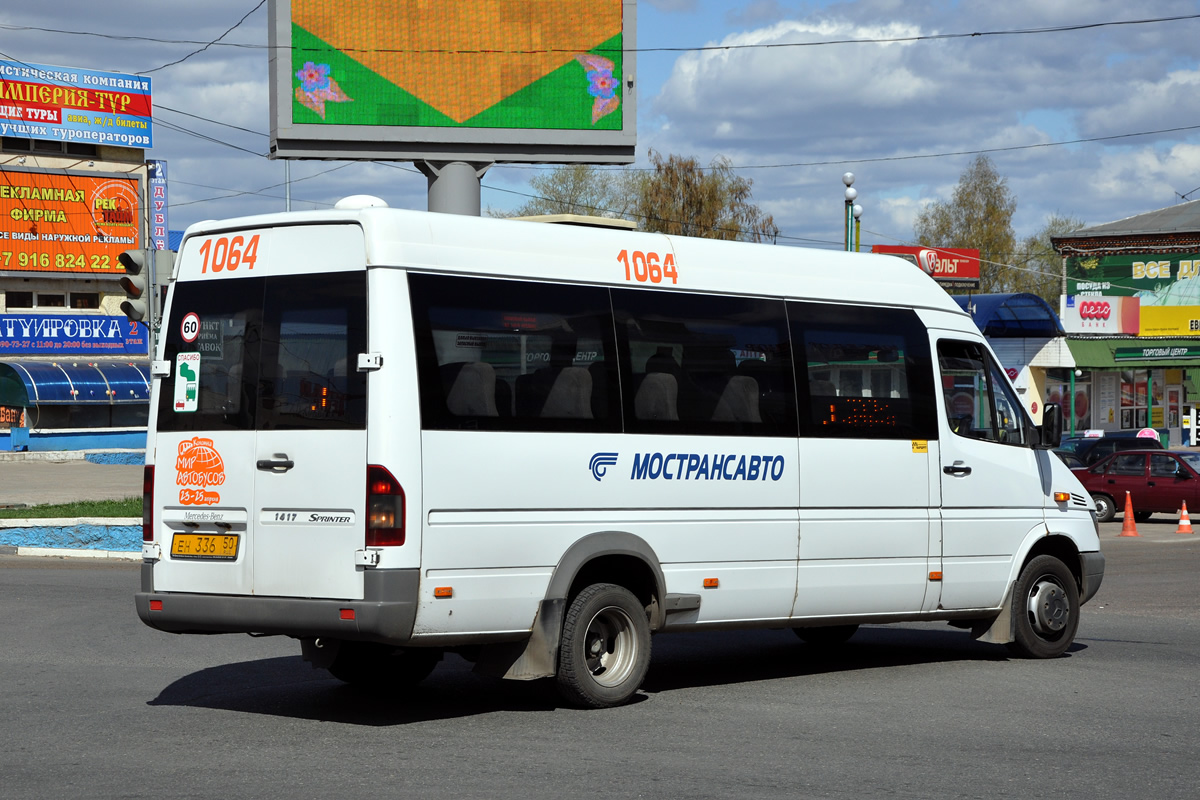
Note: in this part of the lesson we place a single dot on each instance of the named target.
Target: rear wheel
(828, 636)
(372, 665)
(1045, 609)
(1106, 509)
(604, 652)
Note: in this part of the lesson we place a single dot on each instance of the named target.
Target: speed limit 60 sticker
(189, 329)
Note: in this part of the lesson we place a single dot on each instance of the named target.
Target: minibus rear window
(273, 353)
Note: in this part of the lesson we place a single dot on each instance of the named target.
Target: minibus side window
(224, 324)
(979, 402)
(514, 355)
(863, 372)
(706, 365)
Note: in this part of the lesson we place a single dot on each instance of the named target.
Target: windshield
(1192, 460)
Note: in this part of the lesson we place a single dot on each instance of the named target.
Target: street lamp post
(848, 219)
(857, 225)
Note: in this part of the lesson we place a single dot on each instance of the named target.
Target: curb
(90, 537)
(58, 552)
(111, 456)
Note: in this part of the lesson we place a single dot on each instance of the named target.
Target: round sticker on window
(190, 328)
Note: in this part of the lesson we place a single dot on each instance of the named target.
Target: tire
(1045, 609)
(829, 636)
(1141, 516)
(604, 651)
(377, 666)
(1106, 509)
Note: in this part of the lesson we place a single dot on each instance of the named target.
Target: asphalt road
(98, 706)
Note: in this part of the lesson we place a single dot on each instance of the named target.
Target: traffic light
(136, 283)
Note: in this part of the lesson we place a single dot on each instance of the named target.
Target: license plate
(220, 546)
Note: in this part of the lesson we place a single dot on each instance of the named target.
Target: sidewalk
(41, 478)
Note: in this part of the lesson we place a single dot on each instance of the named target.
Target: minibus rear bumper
(385, 613)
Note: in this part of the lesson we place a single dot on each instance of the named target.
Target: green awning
(1114, 354)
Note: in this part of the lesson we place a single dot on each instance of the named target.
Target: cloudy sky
(1089, 108)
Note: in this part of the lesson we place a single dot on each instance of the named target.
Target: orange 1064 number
(643, 267)
(229, 253)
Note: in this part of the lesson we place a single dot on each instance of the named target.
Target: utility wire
(206, 46)
(695, 49)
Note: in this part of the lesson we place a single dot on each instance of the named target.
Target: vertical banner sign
(158, 203)
(65, 104)
(66, 223)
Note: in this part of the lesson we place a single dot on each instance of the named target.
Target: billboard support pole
(454, 186)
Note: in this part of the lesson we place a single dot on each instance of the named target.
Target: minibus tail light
(385, 508)
(148, 503)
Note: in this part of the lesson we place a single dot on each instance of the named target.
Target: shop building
(1131, 311)
(75, 192)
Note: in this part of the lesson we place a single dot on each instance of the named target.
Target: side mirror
(1050, 431)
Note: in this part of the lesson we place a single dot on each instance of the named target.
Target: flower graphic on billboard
(601, 85)
(316, 87)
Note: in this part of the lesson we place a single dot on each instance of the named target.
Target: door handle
(957, 468)
(280, 463)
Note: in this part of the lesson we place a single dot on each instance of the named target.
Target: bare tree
(681, 197)
(579, 189)
(978, 216)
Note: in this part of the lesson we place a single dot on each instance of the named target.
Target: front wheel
(1045, 609)
(1106, 509)
(604, 652)
(1142, 516)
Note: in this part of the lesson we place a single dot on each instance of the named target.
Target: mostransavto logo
(600, 464)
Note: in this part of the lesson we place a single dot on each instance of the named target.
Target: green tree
(979, 216)
(579, 189)
(1041, 271)
(681, 197)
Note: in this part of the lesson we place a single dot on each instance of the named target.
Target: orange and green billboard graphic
(51, 222)
(515, 64)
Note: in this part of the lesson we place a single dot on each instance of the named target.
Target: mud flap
(1001, 629)
(536, 657)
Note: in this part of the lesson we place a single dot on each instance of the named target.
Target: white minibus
(394, 434)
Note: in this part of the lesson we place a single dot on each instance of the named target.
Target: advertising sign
(1101, 314)
(1170, 321)
(157, 171)
(1156, 279)
(474, 80)
(65, 104)
(954, 267)
(51, 222)
(63, 334)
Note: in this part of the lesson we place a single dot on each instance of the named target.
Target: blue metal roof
(1011, 316)
(76, 382)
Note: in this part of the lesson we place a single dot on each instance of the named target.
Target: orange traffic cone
(1128, 527)
(1185, 523)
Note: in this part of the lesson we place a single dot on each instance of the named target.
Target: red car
(1157, 481)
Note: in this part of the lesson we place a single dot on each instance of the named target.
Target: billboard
(57, 222)
(1157, 279)
(950, 266)
(65, 104)
(471, 80)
